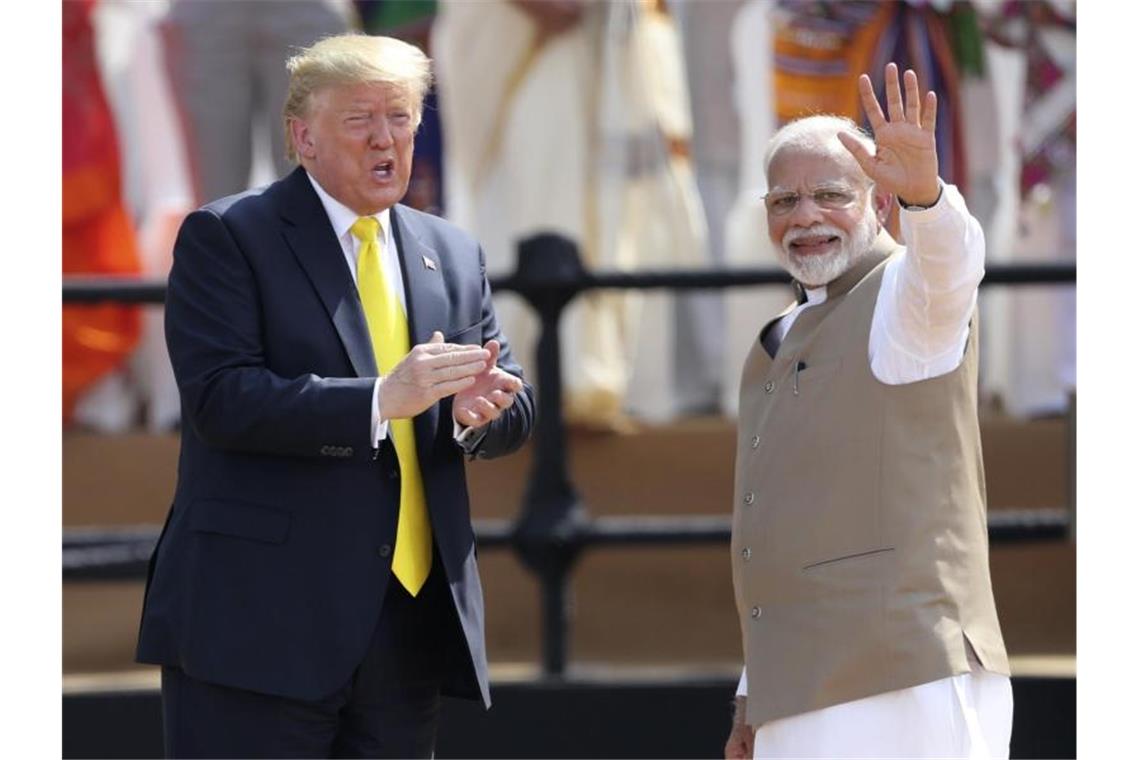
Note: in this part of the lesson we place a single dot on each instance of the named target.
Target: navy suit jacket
(272, 567)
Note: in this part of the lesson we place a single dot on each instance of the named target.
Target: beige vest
(859, 543)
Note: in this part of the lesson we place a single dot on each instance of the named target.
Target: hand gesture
(489, 396)
(905, 161)
(429, 372)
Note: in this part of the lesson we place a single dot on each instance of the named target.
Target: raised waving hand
(905, 161)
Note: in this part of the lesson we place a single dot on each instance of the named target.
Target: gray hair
(816, 133)
(354, 59)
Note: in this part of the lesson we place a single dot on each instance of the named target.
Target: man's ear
(884, 202)
(302, 138)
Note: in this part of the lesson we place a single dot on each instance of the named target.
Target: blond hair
(354, 59)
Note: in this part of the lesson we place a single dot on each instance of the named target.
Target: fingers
(451, 387)
(482, 410)
(438, 348)
(457, 355)
(929, 111)
(501, 400)
(505, 381)
(910, 80)
(861, 154)
(494, 347)
(436, 337)
(894, 94)
(451, 372)
(468, 418)
(870, 103)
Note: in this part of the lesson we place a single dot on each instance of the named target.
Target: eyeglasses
(831, 197)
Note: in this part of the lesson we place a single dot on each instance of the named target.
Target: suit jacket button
(384, 550)
(755, 441)
(769, 386)
(755, 612)
(394, 473)
(749, 497)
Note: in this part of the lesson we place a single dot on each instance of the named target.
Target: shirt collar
(342, 217)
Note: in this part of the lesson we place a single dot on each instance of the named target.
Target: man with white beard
(859, 544)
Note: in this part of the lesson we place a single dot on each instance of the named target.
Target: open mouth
(384, 170)
(813, 243)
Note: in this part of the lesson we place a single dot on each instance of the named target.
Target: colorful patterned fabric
(1049, 136)
(97, 234)
(822, 46)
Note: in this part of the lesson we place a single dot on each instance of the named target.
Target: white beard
(819, 269)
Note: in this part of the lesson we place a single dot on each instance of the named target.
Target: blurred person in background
(860, 555)
(156, 190)
(314, 591)
(224, 63)
(572, 118)
(98, 236)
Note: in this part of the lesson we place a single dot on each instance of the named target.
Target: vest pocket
(846, 558)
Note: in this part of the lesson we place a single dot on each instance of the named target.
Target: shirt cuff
(742, 687)
(379, 426)
(467, 437)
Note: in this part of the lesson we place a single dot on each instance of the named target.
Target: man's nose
(806, 213)
(381, 135)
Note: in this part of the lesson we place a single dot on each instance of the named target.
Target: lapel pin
(429, 263)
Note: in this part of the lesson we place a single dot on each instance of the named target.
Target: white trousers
(967, 716)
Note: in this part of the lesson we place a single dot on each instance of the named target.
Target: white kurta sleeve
(922, 315)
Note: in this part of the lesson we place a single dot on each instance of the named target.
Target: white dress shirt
(919, 330)
(341, 217)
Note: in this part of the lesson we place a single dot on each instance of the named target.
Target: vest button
(769, 386)
(384, 550)
(746, 553)
(749, 497)
(755, 612)
(755, 441)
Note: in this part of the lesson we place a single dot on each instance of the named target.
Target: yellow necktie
(388, 327)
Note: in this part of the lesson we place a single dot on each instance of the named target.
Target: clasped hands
(434, 370)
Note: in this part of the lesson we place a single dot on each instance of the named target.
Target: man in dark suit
(315, 590)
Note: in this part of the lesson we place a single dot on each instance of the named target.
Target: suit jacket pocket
(242, 519)
(467, 336)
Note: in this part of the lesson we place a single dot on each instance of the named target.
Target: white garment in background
(746, 228)
(919, 330)
(566, 137)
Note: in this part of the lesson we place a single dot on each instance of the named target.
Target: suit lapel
(310, 236)
(426, 298)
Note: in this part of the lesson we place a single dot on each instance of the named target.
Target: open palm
(905, 161)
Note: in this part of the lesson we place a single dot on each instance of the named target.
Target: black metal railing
(553, 527)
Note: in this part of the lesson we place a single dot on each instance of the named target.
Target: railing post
(548, 534)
